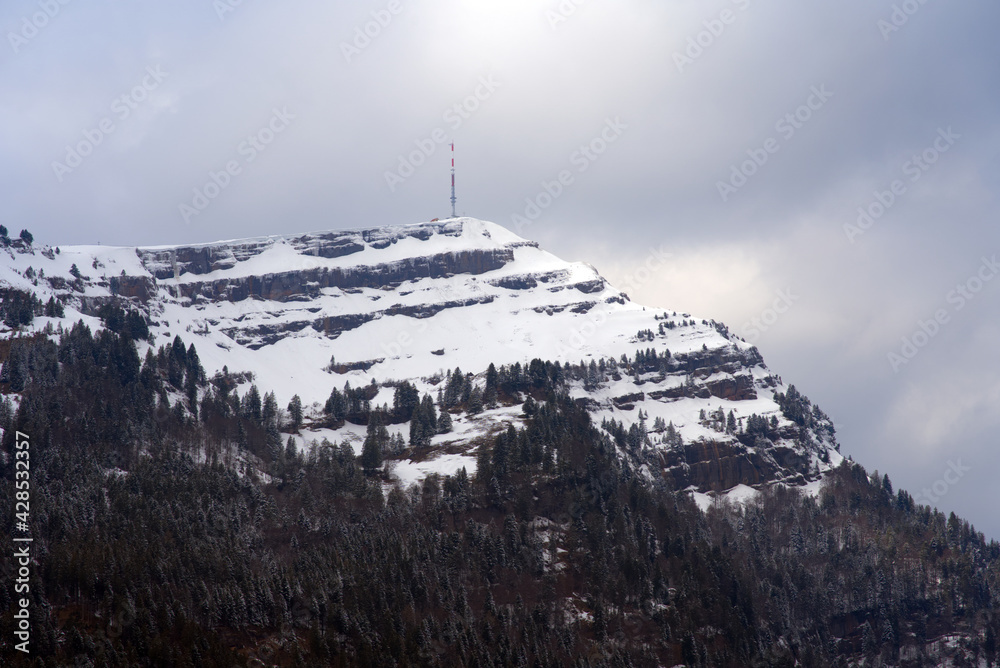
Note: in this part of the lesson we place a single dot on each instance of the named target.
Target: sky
(824, 176)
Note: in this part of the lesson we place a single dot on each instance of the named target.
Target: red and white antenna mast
(453, 214)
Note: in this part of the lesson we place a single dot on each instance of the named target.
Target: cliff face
(206, 258)
(307, 281)
(309, 312)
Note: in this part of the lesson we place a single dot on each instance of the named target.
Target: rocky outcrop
(627, 402)
(141, 288)
(734, 388)
(308, 282)
(175, 262)
(721, 465)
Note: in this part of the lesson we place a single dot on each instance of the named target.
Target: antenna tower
(453, 214)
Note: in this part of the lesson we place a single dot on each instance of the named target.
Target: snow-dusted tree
(376, 441)
(269, 412)
(490, 391)
(476, 401)
(444, 422)
(295, 412)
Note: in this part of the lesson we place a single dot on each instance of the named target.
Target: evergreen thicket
(173, 528)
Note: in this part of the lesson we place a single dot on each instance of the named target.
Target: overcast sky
(740, 136)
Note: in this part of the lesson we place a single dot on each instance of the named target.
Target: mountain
(489, 457)
(306, 313)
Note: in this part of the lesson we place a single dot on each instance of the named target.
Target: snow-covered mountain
(306, 313)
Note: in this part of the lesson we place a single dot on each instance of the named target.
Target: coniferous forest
(174, 526)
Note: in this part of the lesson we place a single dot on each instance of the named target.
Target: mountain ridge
(305, 313)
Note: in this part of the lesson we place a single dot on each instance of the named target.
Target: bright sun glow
(493, 28)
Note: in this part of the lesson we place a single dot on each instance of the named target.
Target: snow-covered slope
(412, 302)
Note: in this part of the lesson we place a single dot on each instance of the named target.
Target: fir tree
(295, 412)
(376, 439)
(476, 401)
(444, 422)
(250, 407)
(404, 401)
(490, 390)
(269, 411)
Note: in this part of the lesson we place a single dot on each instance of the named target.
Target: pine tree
(422, 425)
(530, 406)
(15, 369)
(453, 389)
(673, 437)
(272, 440)
(269, 411)
(192, 361)
(404, 401)
(490, 391)
(428, 415)
(191, 391)
(54, 309)
(336, 405)
(176, 363)
(466, 389)
(295, 412)
(376, 439)
(475, 401)
(250, 407)
(137, 329)
(6, 413)
(444, 422)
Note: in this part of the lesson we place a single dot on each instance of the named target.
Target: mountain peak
(304, 313)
